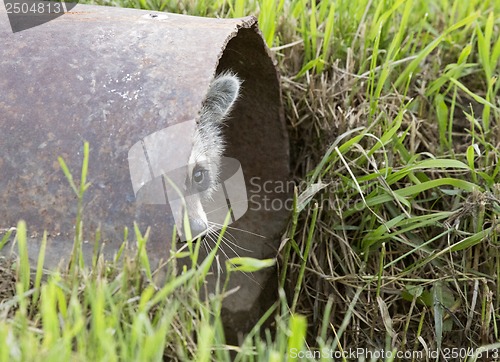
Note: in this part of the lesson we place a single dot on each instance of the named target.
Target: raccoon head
(208, 146)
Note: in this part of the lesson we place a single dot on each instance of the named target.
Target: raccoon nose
(198, 228)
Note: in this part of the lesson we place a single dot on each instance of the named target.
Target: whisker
(234, 241)
(237, 229)
(224, 241)
(219, 266)
(209, 249)
(228, 244)
(212, 238)
(215, 242)
(206, 246)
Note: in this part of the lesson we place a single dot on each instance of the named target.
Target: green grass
(393, 114)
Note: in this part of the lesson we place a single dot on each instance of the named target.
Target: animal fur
(208, 148)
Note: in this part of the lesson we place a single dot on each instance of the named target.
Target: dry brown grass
(366, 289)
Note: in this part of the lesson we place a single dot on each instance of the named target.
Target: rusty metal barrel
(118, 78)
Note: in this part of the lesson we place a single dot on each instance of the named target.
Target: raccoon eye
(198, 175)
(200, 178)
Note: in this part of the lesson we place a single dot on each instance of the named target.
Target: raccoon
(208, 147)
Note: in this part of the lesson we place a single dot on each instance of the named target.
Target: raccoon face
(208, 146)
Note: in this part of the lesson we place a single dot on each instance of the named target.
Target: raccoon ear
(222, 94)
